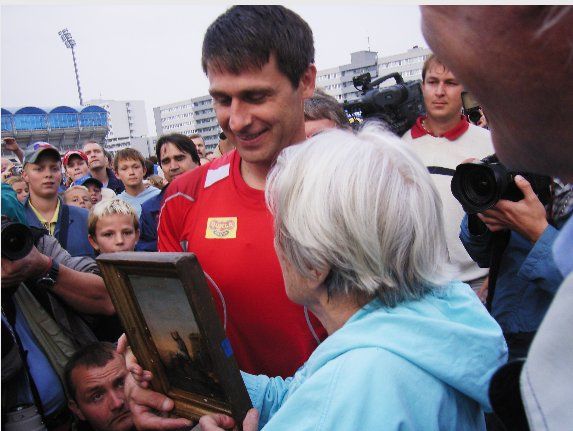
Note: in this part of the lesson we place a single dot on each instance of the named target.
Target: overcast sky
(152, 52)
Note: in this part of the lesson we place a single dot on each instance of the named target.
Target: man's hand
(7, 173)
(527, 217)
(10, 144)
(483, 290)
(31, 266)
(144, 403)
(482, 121)
(219, 422)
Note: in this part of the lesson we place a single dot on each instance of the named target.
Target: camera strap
(438, 170)
(499, 244)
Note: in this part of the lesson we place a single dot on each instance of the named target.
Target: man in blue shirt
(528, 104)
(528, 277)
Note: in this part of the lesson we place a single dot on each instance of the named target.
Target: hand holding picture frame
(173, 328)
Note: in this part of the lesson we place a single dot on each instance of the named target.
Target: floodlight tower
(71, 43)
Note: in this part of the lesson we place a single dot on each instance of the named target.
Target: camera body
(471, 107)
(17, 240)
(478, 186)
(398, 105)
(24, 417)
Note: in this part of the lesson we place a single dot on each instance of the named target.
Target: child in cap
(96, 189)
(76, 164)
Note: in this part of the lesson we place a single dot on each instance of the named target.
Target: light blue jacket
(423, 365)
(137, 201)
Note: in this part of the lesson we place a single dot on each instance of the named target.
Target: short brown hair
(323, 106)
(427, 64)
(93, 355)
(127, 154)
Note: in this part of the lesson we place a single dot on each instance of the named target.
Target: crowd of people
(351, 282)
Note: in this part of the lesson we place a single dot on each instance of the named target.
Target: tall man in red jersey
(259, 61)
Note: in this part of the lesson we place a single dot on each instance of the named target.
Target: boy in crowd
(129, 166)
(113, 226)
(42, 172)
(19, 186)
(96, 189)
(76, 165)
(94, 378)
(78, 196)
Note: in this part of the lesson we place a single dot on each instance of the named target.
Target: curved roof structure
(63, 126)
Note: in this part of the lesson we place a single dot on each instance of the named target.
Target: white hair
(363, 207)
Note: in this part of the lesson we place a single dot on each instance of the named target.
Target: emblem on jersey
(221, 228)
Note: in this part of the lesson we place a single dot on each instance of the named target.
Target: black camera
(472, 110)
(17, 240)
(478, 186)
(24, 417)
(398, 105)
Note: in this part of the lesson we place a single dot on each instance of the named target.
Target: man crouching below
(94, 379)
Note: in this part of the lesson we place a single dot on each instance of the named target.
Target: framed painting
(173, 328)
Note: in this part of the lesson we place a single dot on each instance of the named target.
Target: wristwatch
(51, 277)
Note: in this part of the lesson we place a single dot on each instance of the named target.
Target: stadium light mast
(71, 43)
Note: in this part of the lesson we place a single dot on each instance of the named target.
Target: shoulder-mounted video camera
(398, 105)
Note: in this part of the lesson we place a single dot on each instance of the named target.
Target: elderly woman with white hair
(359, 235)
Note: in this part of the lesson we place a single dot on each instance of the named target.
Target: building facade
(65, 127)
(189, 117)
(127, 123)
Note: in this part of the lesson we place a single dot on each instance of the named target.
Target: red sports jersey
(213, 213)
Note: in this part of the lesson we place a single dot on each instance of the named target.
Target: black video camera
(17, 240)
(398, 105)
(472, 110)
(478, 186)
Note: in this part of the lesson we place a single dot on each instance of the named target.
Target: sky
(152, 52)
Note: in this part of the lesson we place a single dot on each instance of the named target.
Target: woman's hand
(219, 422)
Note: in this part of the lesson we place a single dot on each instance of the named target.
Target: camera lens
(479, 187)
(17, 240)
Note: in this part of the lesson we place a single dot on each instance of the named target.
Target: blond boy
(113, 226)
(19, 186)
(78, 196)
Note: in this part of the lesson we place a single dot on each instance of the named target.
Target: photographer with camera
(523, 275)
(529, 113)
(43, 291)
(442, 139)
